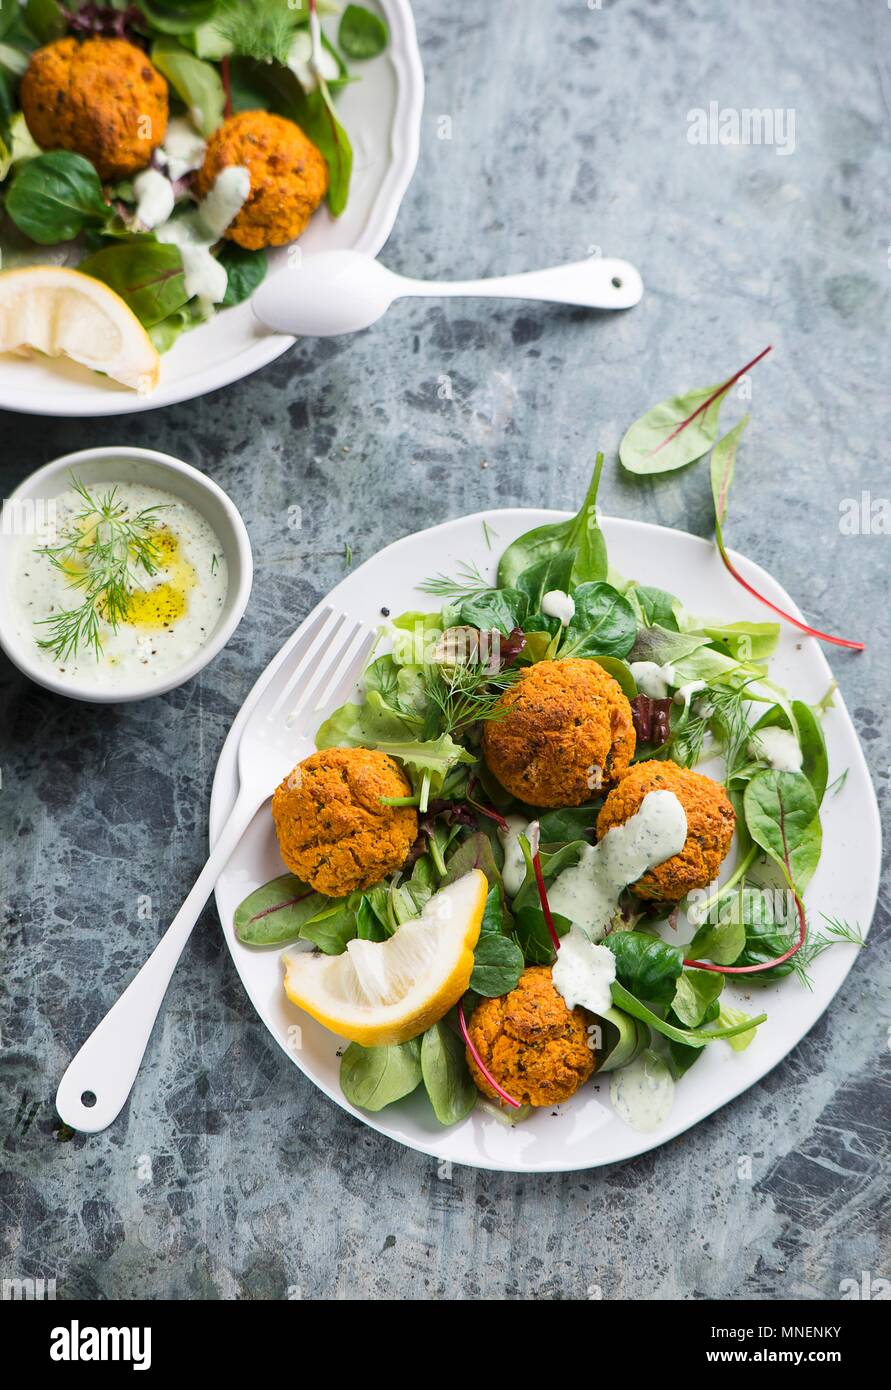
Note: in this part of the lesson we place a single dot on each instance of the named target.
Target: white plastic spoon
(344, 291)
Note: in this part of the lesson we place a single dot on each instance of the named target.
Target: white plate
(382, 114)
(585, 1132)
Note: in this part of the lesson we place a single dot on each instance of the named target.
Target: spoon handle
(596, 283)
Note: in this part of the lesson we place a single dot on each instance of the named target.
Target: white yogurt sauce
(183, 150)
(556, 604)
(779, 747)
(174, 612)
(653, 680)
(584, 972)
(154, 198)
(685, 693)
(514, 869)
(196, 232)
(301, 64)
(588, 893)
(643, 1092)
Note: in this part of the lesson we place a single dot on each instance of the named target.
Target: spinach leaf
(720, 941)
(501, 609)
(493, 913)
(782, 817)
(645, 965)
(275, 913)
(447, 1080)
(497, 965)
(362, 34)
(695, 991)
(815, 759)
(55, 196)
(177, 16)
(197, 83)
(371, 915)
(690, 1037)
(332, 929)
(44, 18)
(603, 623)
(372, 1077)
(245, 271)
(620, 672)
(581, 534)
(7, 111)
(568, 824)
(553, 572)
(147, 274)
(532, 936)
(770, 929)
(656, 606)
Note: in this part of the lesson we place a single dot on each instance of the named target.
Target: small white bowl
(96, 466)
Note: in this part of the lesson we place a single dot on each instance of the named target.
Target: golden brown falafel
(710, 822)
(534, 1046)
(101, 98)
(332, 830)
(567, 731)
(289, 176)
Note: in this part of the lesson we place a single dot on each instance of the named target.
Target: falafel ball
(332, 830)
(101, 98)
(710, 822)
(289, 176)
(567, 732)
(534, 1046)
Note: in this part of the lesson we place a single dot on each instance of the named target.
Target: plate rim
(405, 140)
(227, 762)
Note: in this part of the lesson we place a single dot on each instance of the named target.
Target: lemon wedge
(381, 992)
(65, 314)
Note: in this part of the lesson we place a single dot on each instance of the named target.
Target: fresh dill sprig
(470, 584)
(99, 556)
(835, 933)
(263, 30)
(467, 693)
(724, 715)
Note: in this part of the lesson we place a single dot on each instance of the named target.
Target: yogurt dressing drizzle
(584, 972)
(588, 893)
(643, 1092)
(557, 604)
(196, 232)
(653, 680)
(779, 747)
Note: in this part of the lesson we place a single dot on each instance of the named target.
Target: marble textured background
(228, 1175)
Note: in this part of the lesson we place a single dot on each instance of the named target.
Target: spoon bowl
(345, 291)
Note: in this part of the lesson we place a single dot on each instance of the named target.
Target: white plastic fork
(317, 673)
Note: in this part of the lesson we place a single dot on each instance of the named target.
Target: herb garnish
(99, 556)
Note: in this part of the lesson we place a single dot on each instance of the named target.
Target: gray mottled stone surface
(229, 1176)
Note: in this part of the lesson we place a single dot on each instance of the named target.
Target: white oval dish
(382, 113)
(585, 1132)
(102, 467)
